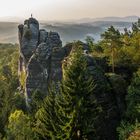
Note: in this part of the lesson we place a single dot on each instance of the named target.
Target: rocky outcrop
(36, 56)
(40, 64)
(109, 115)
(41, 56)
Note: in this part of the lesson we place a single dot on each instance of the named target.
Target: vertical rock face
(36, 53)
(40, 63)
(28, 37)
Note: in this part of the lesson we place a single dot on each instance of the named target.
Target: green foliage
(128, 55)
(112, 39)
(136, 26)
(118, 83)
(77, 94)
(93, 47)
(119, 87)
(135, 135)
(18, 102)
(130, 129)
(72, 113)
(111, 35)
(46, 117)
(90, 42)
(19, 127)
(36, 101)
(22, 79)
(9, 99)
(133, 98)
(126, 130)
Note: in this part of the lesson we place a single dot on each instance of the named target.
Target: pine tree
(72, 113)
(136, 26)
(133, 98)
(19, 127)
(78, 105)
(112, 38)
(46, 117)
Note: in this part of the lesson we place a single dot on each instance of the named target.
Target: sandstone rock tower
(39, 62)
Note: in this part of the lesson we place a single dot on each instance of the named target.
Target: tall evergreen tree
(136, 26)
(112, 38)
(75, 109)
(19, 127)
(133, 98)
(46, 117)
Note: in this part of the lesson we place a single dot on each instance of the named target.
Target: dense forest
(73, 112)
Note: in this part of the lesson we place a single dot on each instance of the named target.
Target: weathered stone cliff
(41, 56)
(37, 52)
(40, 64)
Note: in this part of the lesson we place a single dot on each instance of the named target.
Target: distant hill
(11, 19)
(69, 30)
(126, 19)
(116, 19)
(8, 32)
(79, 31)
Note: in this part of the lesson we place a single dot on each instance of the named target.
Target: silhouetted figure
(31, 15)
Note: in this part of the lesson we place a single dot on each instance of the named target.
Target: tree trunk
(113, 65)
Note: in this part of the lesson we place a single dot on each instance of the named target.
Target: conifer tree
(72, 113)
(112, 38)
(19, 127)
(46, 117)
(133, 98)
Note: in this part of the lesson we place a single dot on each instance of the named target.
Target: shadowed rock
(36, 51)
(40, 64)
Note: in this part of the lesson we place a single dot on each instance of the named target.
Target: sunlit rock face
(36, 56)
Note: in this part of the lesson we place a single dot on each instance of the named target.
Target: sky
(68, 9)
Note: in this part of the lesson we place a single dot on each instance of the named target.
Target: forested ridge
(82, 107)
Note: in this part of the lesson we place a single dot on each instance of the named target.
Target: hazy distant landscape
(68, 30)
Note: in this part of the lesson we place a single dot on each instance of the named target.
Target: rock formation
(37, 52)
(41, 56)
(40, 64)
